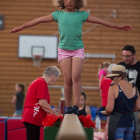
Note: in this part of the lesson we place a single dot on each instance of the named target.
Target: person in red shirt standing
(105, 84)
(37, 102)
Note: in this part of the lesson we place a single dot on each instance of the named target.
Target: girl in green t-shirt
(70, 48)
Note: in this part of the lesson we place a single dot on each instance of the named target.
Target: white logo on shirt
(132, 75)
(36, 109)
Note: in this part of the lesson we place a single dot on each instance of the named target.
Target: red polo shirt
(105, 84)
(32, 112)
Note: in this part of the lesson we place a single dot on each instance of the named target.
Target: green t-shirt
(70, 28)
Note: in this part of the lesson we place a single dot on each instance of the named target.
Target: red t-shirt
(105, 84)
(32, 112)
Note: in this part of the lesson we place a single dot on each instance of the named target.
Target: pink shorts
(62, 54)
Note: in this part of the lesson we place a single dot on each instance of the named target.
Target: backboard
(30, 45)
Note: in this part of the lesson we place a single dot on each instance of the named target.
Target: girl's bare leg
(77, 65)
(66, 66)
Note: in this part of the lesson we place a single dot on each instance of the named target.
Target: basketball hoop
(36, 60)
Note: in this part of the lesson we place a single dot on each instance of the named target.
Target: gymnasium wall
(99, 40)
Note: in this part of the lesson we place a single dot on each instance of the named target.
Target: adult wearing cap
(123, 99)
(37, 102)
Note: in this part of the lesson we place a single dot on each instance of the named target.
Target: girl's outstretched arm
(44, 19)
(93, 19)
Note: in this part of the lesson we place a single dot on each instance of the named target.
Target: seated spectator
(83, 109)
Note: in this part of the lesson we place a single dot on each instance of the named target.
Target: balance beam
(71, 129)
